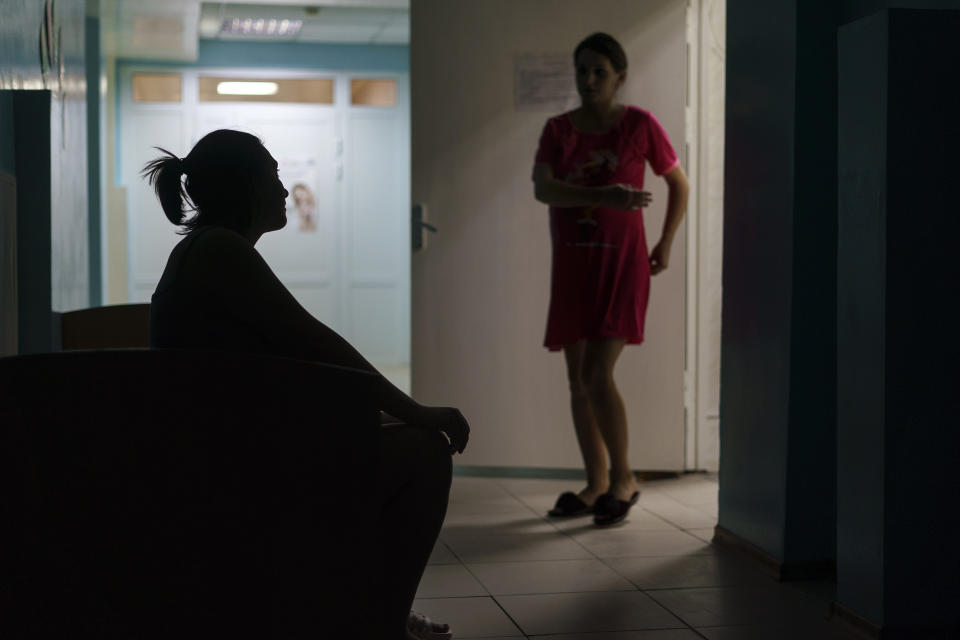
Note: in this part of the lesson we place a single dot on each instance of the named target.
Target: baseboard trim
(547, 473)
(724, 538)
(854, 621)
(783, 572)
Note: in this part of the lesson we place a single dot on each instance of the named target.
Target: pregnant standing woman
(589, 169)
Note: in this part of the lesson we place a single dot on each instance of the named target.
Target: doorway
(343, 154)
(480, 288)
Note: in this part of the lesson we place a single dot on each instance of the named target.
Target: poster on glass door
(304, 244)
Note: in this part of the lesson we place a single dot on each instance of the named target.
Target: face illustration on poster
(305, 205)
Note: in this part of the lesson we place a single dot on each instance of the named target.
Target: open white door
(480, 288)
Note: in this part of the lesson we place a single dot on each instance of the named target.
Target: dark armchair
(179, 494)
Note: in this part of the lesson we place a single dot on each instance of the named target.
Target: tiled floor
(399, 376)
(501, 569)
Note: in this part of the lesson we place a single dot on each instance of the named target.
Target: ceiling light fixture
(260, 27)
(247, 88)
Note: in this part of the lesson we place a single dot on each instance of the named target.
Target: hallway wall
(838, 406)
(7, 162)
(94, 63)
(849, 10)
(8, 230)
(778, 345)
(897, 401)
(60, 70)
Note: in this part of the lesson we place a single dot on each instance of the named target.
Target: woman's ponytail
(164, 175)
(220, 170)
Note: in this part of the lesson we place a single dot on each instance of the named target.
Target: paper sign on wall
(544, 82)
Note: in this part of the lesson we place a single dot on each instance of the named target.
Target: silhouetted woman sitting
(217, 292)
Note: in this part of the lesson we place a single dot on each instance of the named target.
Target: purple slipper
(608, 510)
(569, 505)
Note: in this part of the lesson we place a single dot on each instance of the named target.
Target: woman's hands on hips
(624, 197)
(449, 421)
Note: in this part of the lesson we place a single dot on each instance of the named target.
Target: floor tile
(619, 542)
(568, 580)
(647, 634)
(693, 494)
(825, 590)
(658, 497)
(575, 524)
(670, 572)
(540, 502)
(772, 604)
(469, 617)
(510, 522)
(516, 547)
(636, 519)
(441, 554)
(712, 510)
(704, 534)
(584, 612)
(466, 488)
(807, 630)
(553, 576)
(679, 514)
(449, 581)
(487, 506)
(533, 486)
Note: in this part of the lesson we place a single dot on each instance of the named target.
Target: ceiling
(171, 30)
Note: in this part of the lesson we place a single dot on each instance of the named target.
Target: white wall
(21, 28)
(705, 120)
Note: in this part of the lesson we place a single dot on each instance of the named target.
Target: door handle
(418, 224)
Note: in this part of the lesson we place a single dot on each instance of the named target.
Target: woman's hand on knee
(450, 422)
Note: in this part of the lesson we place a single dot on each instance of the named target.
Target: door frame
(702, 349)
(341, 110)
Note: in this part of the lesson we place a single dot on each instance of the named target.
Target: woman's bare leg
(415, 475)
(588, 435)
(599, 358)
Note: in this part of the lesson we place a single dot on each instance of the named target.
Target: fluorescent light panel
(260, 27)
(247, 88)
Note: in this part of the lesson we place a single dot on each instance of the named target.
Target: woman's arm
(236, 273)
(679, 190)
(557, 193)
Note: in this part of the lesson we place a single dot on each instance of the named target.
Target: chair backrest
(109, 327)
(175, 493)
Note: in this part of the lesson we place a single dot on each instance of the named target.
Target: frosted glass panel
(151, 233)
(302, 90)
(373, 92)
(157, 87)
(376, 217)
(374, 327)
